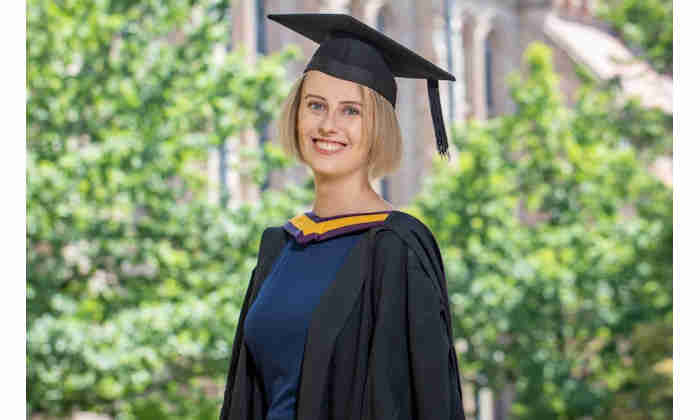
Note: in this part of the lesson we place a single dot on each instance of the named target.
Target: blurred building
(483, 42)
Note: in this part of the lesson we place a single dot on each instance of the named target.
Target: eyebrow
(342, 102)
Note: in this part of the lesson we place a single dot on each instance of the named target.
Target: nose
(328, 124)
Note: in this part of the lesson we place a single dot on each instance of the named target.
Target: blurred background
(152, 169)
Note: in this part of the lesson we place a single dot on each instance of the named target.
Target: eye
(315, 106)
(352, 110)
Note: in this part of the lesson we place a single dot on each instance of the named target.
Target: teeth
(328, 145)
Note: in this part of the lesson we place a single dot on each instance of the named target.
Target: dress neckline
(318, 218)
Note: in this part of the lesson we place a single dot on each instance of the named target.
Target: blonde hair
(380, 126)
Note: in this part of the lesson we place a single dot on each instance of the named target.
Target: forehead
(330, 87)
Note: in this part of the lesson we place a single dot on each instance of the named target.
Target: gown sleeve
(410, 362)
(236, 349)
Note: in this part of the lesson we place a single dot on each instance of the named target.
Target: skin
(332, 108)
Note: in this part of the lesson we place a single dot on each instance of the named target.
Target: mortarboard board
(354, 51)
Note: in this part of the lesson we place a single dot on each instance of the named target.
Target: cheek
(303, 129)
(306, 122)
(359, 135)
(301, 123)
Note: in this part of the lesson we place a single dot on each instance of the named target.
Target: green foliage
(563, 306)
(647, 25)
(134, 280)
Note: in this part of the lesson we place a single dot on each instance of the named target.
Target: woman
(346, 315)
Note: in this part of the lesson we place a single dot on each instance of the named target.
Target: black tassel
(438, 123)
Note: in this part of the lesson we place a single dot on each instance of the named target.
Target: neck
(345, 195)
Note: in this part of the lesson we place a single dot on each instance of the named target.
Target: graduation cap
(351, 50)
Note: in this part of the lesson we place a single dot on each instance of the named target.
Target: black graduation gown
(379, 344)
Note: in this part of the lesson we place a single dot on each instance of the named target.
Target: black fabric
(356, 61)
(322, 27)
(436, 113)
(379, 344)
(354, 51)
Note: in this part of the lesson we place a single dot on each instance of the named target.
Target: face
(329, 126)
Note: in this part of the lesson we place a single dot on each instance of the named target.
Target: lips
(315, 139)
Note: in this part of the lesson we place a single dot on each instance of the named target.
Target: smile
(328, 147)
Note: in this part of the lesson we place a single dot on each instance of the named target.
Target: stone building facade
(483, 42)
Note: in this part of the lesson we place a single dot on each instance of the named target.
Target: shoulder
(410, 230)
(271, 231)
(423, 248)
(404, 232)
(271, 234)
(404, 238)
(272, 240)
(407, 224)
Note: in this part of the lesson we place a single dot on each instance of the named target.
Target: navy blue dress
(276, 326)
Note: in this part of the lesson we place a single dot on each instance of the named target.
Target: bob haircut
(380, 126)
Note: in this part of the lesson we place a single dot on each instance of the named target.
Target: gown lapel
(336, 303)
(326, 322)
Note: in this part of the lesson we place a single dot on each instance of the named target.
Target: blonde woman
(346, 315)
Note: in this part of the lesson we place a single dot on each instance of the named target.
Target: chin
(327, 169)
(330, 166)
